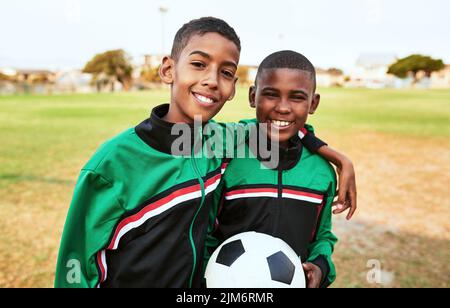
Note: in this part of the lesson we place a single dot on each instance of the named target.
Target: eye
(298, 98)
(228, 74)
(270, 94)
(198, 64)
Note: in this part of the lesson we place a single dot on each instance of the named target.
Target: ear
(166, 70)
(233, 93)
(314, 104)
(252, 96)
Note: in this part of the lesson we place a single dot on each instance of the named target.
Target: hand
(313, 275)
(347, 188)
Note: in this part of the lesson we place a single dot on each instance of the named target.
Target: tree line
(115, 66)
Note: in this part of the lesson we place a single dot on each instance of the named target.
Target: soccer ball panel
(281, 268)
(230, 252)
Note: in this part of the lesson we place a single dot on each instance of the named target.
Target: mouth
(205, 100)
(280, 124)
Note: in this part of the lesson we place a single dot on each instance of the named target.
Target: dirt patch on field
(402, 182)
(403, 215)
(369, 255)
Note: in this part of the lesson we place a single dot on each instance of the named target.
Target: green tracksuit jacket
(292, 202)
(139, 215)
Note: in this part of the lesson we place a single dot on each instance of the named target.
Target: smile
(204, 100)
(280, 124)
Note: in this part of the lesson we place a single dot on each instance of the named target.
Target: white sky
(331, 33)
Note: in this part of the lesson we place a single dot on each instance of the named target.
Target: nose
(210, 79)
(283, 107)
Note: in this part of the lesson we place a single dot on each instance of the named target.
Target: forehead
(286, 79)
(214, 44)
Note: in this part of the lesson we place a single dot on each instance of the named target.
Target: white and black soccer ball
(254, 260)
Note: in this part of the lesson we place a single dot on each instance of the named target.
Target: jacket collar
(157, 133)
(288, 157)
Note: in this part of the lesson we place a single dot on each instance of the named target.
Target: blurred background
(74, 73)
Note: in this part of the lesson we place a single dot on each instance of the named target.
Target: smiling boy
(292, 200)
(139, 214)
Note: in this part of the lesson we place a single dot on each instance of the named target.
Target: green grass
(45, 140)
(42, 134)
(407, 113)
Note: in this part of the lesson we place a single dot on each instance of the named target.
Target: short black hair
(287, 59)
(202, 26)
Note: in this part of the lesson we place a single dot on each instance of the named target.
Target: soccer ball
(254, 260)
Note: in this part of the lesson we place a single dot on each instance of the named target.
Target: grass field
(398, 140)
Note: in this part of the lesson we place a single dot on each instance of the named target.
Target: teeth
(204, 99)
(281, 123)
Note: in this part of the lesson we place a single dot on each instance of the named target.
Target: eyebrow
(291, 92)
(205, 55)
(270, 89)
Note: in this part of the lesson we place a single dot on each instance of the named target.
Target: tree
(114, 65)
(151, 74)
(335, 71)
(415, 64)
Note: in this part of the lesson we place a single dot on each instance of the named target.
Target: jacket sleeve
(92, 215)
(235, 136)
(322, 246)
(239, 133)
(309, 139)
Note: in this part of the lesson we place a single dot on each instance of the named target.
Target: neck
(175, 115)
(284, 144)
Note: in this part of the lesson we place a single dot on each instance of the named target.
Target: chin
(285, 137)
(277, 140)
(205, 115)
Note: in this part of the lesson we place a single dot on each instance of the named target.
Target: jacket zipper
(280, 200)
(280, 183)
(191, 228)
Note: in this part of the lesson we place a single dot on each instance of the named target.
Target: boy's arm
(93, 213)
(346, 171)
(321, 248)
(237, 134)
(309, 139)
(347, 181)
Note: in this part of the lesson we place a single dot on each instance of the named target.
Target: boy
(293, 200)
(139, 214)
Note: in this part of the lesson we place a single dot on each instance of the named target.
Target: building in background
(73, 81)
(441, 79)
(35, 81)
(329, 78)
(370, 71)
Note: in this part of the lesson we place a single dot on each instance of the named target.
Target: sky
(63, 34)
